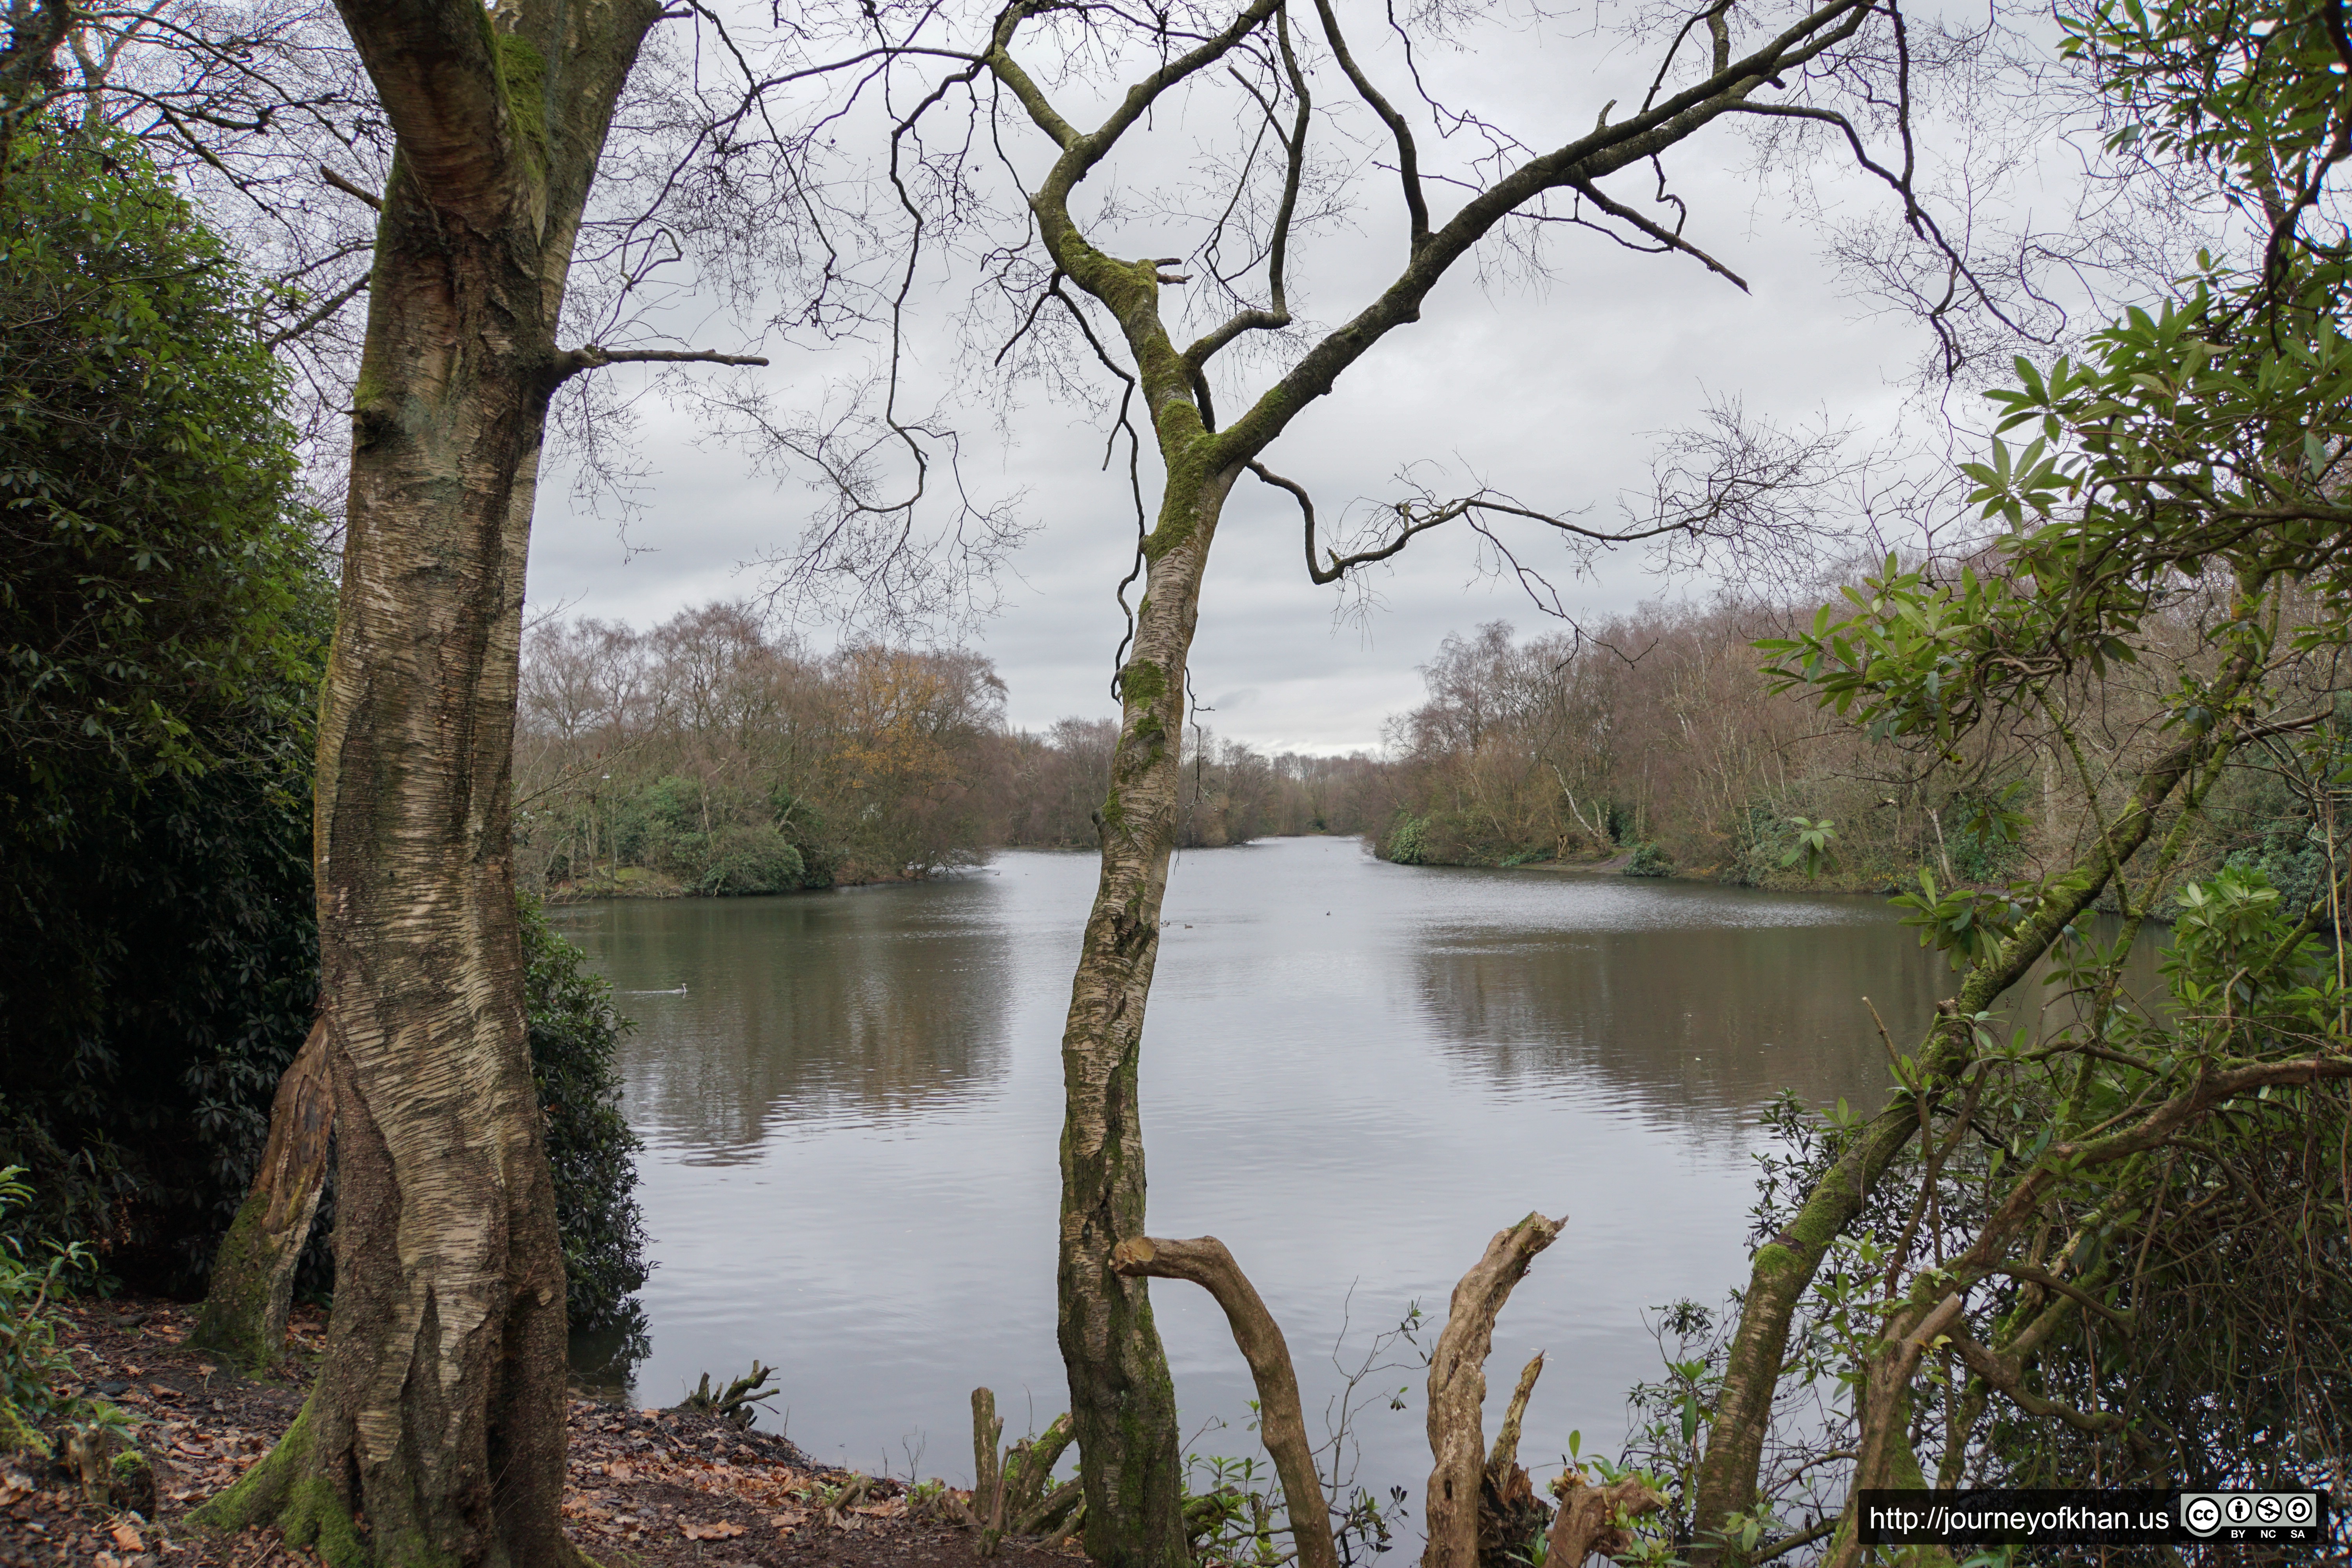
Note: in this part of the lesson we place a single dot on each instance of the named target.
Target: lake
(1353, 1072)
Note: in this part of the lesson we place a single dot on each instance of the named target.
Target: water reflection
(1702, 1000)
(863, 1006)
(1353, 1073)
(1704, 1022)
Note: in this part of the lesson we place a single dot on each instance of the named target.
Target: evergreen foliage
(32, 1368)
(574, 1036)
(1649, 860)
(163, 621)
(158, 578)
(164, 612)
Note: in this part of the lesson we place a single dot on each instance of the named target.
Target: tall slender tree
(1801, 65)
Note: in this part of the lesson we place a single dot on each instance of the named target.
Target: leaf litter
(654, 1489)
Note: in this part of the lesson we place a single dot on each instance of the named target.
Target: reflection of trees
(1696, 1020)
(862, 1005)
(1759, 1007)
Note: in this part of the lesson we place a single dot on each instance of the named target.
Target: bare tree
(1842, 68)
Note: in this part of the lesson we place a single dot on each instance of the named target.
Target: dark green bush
(750, 860)
(1649, 860)
(32, 1368)
(1407, 843)
(163, 621)
(574, 1036)
(156, 572)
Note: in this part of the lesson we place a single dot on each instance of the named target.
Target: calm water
(1354, 1073)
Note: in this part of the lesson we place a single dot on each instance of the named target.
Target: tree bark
(1458, 1390)
(1122, 1401)
(252, 1289)
(28, 74)
(1588, 1520)
(434, 1432)
(1282, 1423)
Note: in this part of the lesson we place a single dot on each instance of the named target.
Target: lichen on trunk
(1122, 1401)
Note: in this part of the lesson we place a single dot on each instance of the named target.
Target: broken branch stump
(1510, 1515)
(1458, 1390)
(1590, 1517)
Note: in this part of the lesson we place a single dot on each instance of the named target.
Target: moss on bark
(236, 1318)
(285, 1489)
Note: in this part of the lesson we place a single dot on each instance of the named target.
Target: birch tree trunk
(434, 1432)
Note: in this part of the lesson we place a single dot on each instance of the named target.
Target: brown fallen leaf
(126, 1536)
(619, 1470)
(720, 1530)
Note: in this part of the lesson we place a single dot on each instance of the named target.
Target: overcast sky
(1553, 392)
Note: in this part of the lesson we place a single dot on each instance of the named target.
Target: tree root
(283, 1489)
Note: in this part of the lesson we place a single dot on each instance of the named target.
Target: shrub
(1649, 860)
(574, 1036)
(1408, 841)
(163, 621)
(752, 860)
(31, 1365)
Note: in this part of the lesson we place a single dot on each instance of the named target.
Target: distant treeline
(707, 755)
(1657, 736)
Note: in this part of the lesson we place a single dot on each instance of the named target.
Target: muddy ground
(646, 1488)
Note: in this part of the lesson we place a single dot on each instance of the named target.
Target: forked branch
(1278, 313)
(1416, 204)
(2005, 1374)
